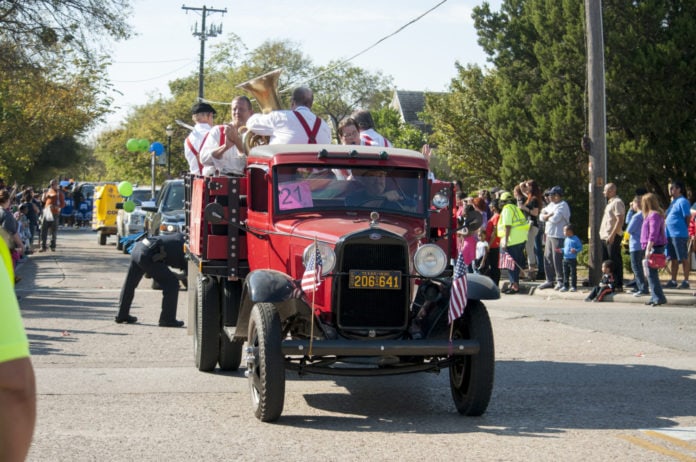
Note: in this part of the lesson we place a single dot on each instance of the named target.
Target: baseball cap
(201, 108)
(556, 190)
(505, 196)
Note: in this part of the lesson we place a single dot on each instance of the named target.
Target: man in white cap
(556, 215)
(202, 115)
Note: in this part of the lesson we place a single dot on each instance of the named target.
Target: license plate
(368, 279)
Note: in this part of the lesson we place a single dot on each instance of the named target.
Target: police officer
(153, 256)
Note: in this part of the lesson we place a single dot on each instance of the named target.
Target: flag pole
(314, 294)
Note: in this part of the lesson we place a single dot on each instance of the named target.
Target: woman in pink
(653, 240)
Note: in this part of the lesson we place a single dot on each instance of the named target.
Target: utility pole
(203, 35)
(596, 143)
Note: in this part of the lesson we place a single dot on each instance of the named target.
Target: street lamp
(170, 132)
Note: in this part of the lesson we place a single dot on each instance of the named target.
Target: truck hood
(331, 229)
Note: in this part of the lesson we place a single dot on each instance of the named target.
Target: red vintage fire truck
(332, 259)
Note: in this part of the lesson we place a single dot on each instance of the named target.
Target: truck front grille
(373, 308)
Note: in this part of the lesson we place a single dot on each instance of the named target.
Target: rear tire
(230, 350)
(101, 238)
(471, 377)
(119, 244)
(265, 366)
(206, 336)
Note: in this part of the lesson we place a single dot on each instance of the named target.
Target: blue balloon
(157, 147)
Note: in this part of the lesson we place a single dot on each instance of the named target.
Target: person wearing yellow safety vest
(512, 230)
(17, 382)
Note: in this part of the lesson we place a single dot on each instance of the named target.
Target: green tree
(462, 131)
(41, 30)
(402, 135)
(341, 89)
(52, 84)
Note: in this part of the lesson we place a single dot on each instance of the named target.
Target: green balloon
(132, 145)
(129, 206)
(144, 145)
(125, 189)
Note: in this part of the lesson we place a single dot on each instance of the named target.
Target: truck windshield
(388, 189)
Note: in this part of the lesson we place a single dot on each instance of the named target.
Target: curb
(675, 297)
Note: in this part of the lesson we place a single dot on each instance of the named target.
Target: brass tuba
(265, 90)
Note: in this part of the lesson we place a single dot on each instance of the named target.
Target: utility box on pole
(203, 35)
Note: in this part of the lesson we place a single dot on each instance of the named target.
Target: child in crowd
(480, 263)
(606, 284)
(571, 248)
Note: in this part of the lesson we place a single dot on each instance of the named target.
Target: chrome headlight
(430, 260)
(328, 257)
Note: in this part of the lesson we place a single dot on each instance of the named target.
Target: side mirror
(149, 206)
(119, 205)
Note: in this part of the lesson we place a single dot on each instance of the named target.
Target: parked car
(133, 222)
(166, 214)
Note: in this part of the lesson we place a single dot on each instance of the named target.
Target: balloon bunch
(126, 189)
(142, 145)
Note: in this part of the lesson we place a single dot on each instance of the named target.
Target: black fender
(435, 323)
(266, 286)
(481, 287)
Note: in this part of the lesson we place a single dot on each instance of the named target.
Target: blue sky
(420, 57)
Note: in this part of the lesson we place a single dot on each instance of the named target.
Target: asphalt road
(574, 381)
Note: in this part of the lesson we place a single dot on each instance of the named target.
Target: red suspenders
(195, 153)
(311, 134)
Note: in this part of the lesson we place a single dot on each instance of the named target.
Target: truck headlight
(328, 257)
(430, 260)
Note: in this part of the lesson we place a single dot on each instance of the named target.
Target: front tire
(119, 244)
(265, 367)
(471, 377)
(101, 238)
(206, 336)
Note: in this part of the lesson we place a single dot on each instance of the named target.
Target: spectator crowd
(30, 218)
(531, 235)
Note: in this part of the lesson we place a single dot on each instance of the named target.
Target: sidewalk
(675, 297)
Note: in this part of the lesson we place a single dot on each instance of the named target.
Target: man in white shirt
(368, 135)
(222, 148)
(296, 126)
(556, 215)
(202, 115)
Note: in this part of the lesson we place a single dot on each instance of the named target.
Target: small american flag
(505, 261)
(311, 279)
(458, 297)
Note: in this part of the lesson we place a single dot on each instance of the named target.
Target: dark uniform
(153, 256)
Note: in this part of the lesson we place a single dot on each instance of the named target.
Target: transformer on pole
(203, 34)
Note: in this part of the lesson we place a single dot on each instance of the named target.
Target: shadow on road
(530, 398)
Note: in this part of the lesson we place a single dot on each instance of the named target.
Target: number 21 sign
(294, 195)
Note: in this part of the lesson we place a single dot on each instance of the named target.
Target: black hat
(202, 108)
(556, 190)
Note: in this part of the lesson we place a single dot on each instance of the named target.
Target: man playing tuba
(295, 126)
(222, 148)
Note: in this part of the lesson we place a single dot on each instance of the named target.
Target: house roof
(409, 104)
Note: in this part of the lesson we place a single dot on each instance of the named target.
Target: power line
(345, 61)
